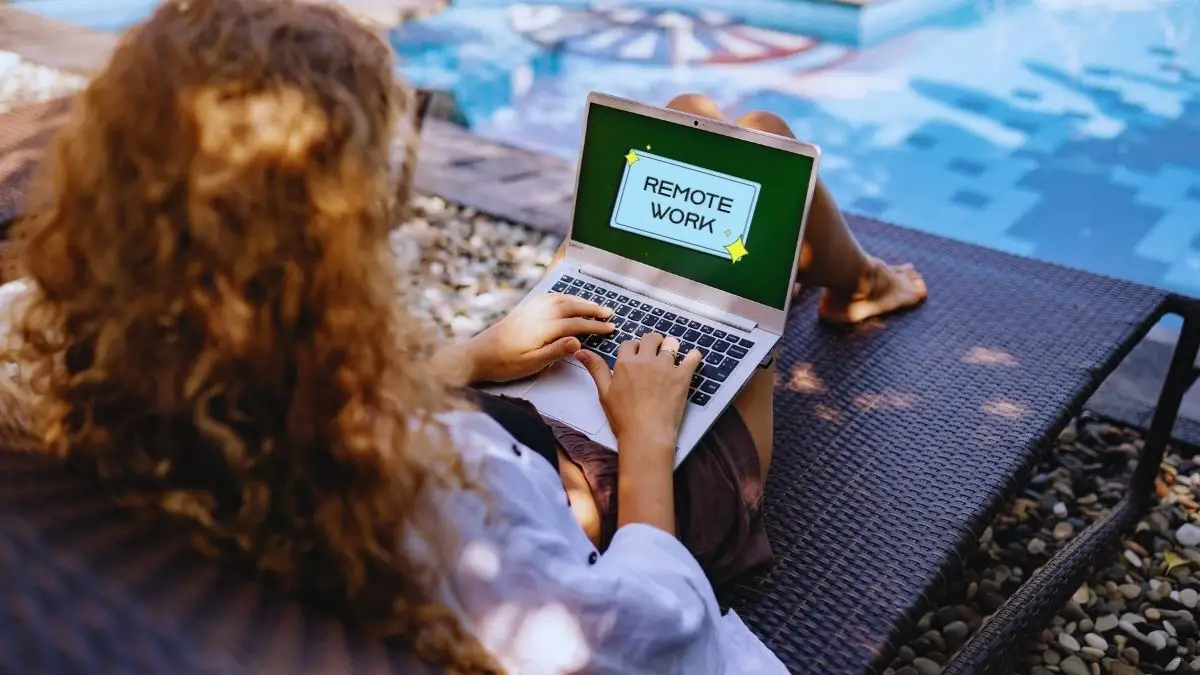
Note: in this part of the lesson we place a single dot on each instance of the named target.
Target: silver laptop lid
(704, 209)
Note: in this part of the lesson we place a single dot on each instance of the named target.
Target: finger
(670, 347)
(571, 305)
(580, 326)
(650, 344)
(559, 349)
(691, 362)
(627, 349)
(598, 368)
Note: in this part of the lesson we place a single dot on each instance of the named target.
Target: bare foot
(885, 288)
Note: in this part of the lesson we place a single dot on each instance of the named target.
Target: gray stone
(925, 666)
(1106, 623)
(1068, 643)
(907, 670)
(1091, 654)
(1060, 509)
(905, 654)
(1156, 639)
(1152, 614)
(1131, 591)
(1174, 664)
(1189, 598)
(1036, 546)
(1051, 657)
(1096, 641)
(955, 633)
(1119, 668)
(1131, 655)
(1073, 665)
(1188, 535)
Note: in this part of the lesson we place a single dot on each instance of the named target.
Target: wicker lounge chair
(898, 440)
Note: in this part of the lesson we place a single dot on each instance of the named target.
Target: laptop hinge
(698, 308)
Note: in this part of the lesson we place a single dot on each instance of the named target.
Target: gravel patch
(25, 83)
(1137, 613)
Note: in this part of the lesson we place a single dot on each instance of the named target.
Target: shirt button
(593, 557)
(516, 450)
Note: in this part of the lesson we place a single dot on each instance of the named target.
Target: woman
(209, 324)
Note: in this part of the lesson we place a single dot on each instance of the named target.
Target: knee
(762, 120)
(696, 104)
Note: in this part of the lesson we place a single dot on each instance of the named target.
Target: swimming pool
(1066, 130)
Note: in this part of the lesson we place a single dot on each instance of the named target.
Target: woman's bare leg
(857, 286)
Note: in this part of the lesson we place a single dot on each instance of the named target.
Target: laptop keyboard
(633, 318)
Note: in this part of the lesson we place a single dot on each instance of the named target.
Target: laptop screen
(717, 210)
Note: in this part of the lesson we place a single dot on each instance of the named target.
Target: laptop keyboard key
(622, 310)
(574, 290)
(636, 315)
(566, 279)
(658, 311)
(676, 330)
(701, 398)
(714, 358)
(589, 287)
(694, 324)
(720, 334)
(643, 330)
(706, 340)
(608, 347)
(729, 364)
(559, 287)
(709, 387)
(691, 335)
(649, 319)
(577, 282)
(670, 316)
(646, 307)
(585, 295)
(623, 298)
(746, 343)
(612, 295)
(737, 352)
(721, 346)
(686, 348)
(706, 329)
(663, 326)
(697, 380)
(714, 373)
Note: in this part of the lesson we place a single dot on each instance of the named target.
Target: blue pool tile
(970, 199)
(869, 206)
(966, 167)
(921, 140)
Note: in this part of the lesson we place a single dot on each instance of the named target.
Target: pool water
(1066, 130)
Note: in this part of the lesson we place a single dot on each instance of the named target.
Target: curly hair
(216, 330)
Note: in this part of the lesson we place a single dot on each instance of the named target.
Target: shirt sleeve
(546, 603)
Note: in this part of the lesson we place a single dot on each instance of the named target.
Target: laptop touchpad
(567, 392)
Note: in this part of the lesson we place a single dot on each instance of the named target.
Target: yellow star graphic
(737, 250)
(631, 158)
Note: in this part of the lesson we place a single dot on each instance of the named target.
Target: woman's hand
(644, 399)
(645, 395)
(536, 334)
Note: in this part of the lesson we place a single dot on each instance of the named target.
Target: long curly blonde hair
(216, 330)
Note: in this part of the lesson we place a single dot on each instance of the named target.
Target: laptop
(684, 226)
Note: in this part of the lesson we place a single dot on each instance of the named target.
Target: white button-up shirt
(530, 584)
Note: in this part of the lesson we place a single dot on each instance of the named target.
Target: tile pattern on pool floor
(1067, 130)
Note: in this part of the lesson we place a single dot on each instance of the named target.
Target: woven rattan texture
(897, 440)
(88, 589)
(24, 134)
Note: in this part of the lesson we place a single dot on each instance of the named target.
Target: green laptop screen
(720, 211)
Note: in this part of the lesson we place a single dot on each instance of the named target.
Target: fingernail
(611, 326)
(608, 311)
